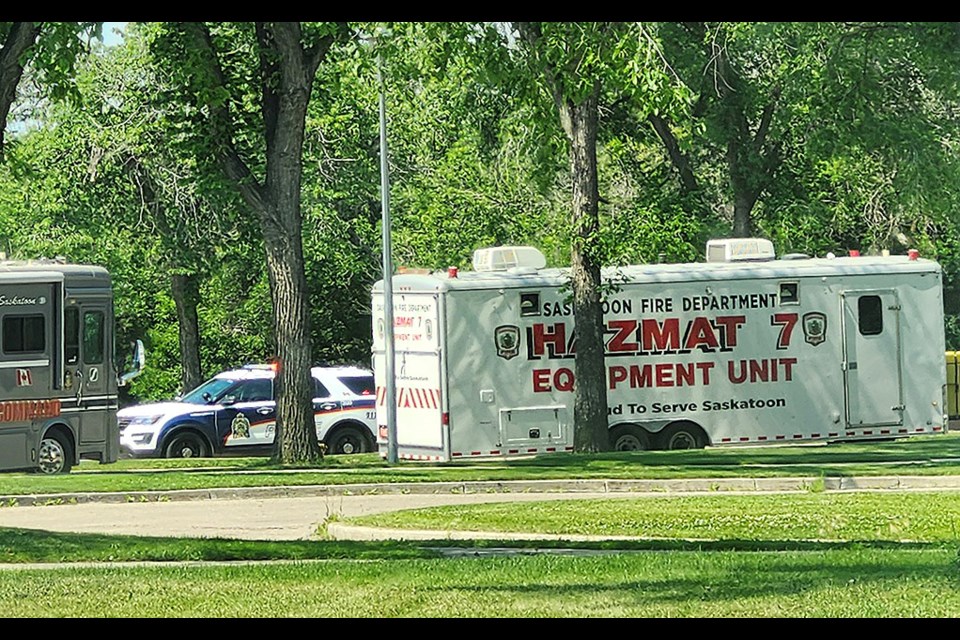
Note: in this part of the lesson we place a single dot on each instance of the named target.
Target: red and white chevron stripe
(411, 397)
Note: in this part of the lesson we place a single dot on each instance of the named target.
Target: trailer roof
(669, 272)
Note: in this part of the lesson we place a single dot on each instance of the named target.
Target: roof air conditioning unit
(503, 258)
(739, 250)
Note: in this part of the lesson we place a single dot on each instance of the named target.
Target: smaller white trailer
(743, 349)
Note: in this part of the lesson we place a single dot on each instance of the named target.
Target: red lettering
(664, 374)
(728, 326)
(16, 410)
(655, 337)
(553, 341)
(563, 379)
(767, 370)
(760, 371)
(617, 374)
(623, 330)
(640, 376)
(685, 374)
(788, 367)
(786, 321)
(541, 380)
(700, 334)
(704, 368)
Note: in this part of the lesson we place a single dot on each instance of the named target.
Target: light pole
(389, 365)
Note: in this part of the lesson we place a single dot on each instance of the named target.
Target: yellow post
(953, 384)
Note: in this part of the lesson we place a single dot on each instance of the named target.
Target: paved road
(296, 513)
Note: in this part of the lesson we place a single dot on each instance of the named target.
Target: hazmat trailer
(743, 349)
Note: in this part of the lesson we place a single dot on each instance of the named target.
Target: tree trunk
(282, 227)
(742, 208)
(591, 431)
(296, 430)
(22, 36)
(186, 296)
(287, 70)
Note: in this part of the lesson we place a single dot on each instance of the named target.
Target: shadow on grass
(29, 545)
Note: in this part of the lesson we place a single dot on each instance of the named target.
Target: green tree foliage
(263, 162)
(50, 49)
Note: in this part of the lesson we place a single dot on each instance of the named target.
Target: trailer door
(872, 369)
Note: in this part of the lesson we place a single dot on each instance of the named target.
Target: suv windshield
(208, 392)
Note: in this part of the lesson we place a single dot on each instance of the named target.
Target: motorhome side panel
(30, 342)
(761, 359)
(57, 376)
(753, 355)
(420, 391)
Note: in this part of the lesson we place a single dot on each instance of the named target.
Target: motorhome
(58, 367)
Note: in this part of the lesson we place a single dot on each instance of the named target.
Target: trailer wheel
(186, 445)
(630, 437)
(348, 439)
(56, 454)
(683, 435)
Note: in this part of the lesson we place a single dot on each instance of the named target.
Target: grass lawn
(799, 555)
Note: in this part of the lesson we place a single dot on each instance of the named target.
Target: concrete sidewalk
(298, 513)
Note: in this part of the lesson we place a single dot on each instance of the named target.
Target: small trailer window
(529, 304)
(871, 315)
(789, 293)
(23, 334)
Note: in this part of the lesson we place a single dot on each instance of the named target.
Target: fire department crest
(814, 327)
(240, 427)
(507, 338)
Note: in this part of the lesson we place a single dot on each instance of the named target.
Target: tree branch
(234, 166)
(764, 127)
(679, 160)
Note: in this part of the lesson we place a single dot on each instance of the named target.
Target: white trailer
(743, 349)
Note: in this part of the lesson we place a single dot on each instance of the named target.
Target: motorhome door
(87, 361)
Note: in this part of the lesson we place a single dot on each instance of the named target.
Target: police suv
(234, 413)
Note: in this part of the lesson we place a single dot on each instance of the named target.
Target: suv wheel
(348, 440)
(186, 445)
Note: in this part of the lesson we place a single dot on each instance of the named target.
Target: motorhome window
(71, 335)
(871, 315)
(23, 334)
(93, 337)
(529, 304)
(789, 293)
